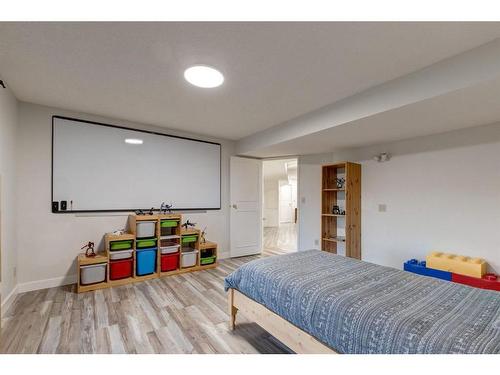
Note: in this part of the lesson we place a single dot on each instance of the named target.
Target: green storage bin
(169, 223)
(142, 244)
(189, 239)
(207, 260)
(121, 245)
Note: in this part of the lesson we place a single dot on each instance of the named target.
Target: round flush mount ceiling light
(204, 76)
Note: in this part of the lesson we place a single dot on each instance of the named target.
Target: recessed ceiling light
(134, 141)
(203, 76)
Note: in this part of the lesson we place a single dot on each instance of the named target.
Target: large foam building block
(413, 265)
(488, 281)
(475, 267)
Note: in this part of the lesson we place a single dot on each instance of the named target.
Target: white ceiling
(281, 169)
(274, 71)
(472, 106)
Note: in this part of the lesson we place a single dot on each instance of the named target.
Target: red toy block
(488, 281)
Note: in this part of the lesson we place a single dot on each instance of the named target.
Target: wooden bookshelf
(341, 229)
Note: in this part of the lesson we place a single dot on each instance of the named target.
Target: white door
(286, 203)
(246, 206)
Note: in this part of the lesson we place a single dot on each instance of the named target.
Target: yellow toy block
(475, 267)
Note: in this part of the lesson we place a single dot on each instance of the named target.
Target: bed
(317, 302)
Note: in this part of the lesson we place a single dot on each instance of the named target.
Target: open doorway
(280, 205)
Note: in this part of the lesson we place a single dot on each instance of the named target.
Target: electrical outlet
(303, 200)
(316, 242)
(382, 208)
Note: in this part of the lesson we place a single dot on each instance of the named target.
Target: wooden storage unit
(108, 239)
(209, 247)
(175, 236)
(82, 260)
(189, 233)
(341, 230)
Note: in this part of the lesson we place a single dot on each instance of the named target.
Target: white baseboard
(47, 283)
(223, 255)
(55, 282)
(7, 301)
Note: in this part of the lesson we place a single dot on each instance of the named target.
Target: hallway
(283, 238)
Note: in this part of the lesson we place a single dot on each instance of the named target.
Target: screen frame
(59, 211)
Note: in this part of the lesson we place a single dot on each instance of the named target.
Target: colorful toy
(203, 235)
(188, 224)
(475, 267)
(89, 249)
(420, 268)
(488, 281)
(164, 208)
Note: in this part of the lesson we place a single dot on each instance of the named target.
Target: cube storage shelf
(338, 229)
(158, 251)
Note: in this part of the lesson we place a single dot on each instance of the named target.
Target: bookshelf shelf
(341, 187)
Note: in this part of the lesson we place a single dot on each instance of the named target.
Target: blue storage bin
(413, 265)
(146, 261)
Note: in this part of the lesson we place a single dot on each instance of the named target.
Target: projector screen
(99, 167)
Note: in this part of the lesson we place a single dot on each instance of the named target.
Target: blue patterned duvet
(359, 307)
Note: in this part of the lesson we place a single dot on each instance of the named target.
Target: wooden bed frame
(296, 339)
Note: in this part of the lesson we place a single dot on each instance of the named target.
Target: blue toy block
(413, 265)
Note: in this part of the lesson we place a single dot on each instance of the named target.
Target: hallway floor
(282, 238)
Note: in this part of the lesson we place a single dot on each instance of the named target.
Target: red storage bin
(121, 269)
(169, 262)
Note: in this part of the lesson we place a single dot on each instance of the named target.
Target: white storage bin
(169, 249)
(92, 274)
(124, 254)
(188, 257)
(146, 229)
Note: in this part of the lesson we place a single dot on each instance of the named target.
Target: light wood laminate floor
(282, 238)
(177, 314)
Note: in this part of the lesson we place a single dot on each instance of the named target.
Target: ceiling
(274, 71)
(282, 169)
(472, 106)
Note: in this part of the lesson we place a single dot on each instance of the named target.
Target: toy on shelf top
(142, 213)
(188, 224)
(166, 208)
(203, 234)
(475, 267)
(89, 249)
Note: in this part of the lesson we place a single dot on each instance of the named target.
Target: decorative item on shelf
(119, 232)
(151, 211)
(202, 235)
(89, 249)
(139, 212)
(342, 212)
(188, 224)
(336, 210)
(340, 182)
(166, 208)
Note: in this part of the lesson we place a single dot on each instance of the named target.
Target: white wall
(309, 200)
(442, 193)
(271, 202)
(8, 245)
(50, 242)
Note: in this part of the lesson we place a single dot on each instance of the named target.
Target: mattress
(359, 307)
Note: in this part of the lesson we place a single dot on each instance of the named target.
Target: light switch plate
(382, 208)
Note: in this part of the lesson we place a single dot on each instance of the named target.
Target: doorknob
(235, 206)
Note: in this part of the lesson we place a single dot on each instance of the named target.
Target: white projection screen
(95, 170)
